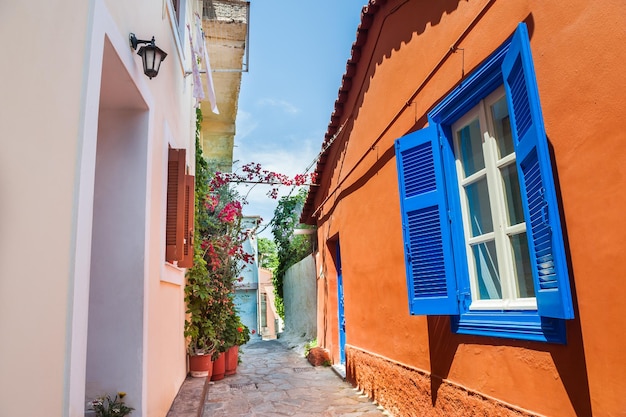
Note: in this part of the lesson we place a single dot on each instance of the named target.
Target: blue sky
(298, 54)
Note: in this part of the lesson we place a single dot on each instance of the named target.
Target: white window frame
(501, 230)
(178, 27)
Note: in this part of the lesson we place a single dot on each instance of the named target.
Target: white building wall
(58, 55)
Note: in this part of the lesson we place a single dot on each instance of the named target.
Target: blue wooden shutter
(426, 231)
(543, 224)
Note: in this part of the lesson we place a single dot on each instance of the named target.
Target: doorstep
(340, 370)
(189, 401)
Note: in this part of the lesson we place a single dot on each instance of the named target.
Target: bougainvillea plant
(219, 258)
(253, 173)
(213, 323)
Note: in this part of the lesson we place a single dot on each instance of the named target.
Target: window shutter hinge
(449, 217)
(464, 298)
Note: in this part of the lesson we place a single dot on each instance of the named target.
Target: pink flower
(230, 212)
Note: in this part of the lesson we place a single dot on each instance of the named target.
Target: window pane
(470, 143)
(479, 209)
(489, 287)
(515, 211)
(521, 258)
(501, 122)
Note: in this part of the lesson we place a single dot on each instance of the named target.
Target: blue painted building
(247, 290)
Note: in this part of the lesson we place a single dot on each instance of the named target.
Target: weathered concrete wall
(300, 299)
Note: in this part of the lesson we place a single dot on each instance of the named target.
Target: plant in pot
(221, 251)
(235, 335)
(199, 329)
(218, 258)
(222, 243)
(107, 406)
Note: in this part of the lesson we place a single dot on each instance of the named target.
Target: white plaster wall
(41, 107)
(300, 299)
(50, 80)
(115, 355)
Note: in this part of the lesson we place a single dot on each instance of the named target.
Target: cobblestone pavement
(273, 380)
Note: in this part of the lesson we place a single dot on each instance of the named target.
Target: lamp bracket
(134, 41)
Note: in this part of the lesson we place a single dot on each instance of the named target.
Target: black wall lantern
(150, 54)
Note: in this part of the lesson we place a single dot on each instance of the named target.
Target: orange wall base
(407, 392)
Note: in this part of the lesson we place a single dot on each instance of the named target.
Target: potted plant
(218, 259)
(235, 335)
(111, 407)
(199, 329)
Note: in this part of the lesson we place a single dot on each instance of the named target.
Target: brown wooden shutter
(174, 237)
(190, 191)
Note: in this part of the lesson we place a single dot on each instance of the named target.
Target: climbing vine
(291, 248)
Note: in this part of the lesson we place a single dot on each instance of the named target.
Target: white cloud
(246, 124)
(289, 160)
(281, 104)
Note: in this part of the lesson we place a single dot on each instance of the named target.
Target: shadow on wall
(399, 28)
(569, 360)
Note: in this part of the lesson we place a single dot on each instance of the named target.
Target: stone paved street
(273, 380)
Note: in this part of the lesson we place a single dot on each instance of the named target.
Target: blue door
(340, 309)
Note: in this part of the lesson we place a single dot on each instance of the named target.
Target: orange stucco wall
(406, 67)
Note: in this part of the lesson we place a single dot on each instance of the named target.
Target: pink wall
(266, 287)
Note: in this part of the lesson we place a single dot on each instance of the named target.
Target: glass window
(471, 148)
(493, 213)
(486, 262)
(502, 127)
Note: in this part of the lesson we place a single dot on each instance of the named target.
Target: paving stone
(273, 380)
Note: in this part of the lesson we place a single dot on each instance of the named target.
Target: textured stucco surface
(406, 392)
(402, 65)
(299, 294)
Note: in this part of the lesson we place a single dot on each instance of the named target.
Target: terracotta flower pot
(219, 367)
(232, 357)
(200, 366)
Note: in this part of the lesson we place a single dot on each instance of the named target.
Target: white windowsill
(172, 274)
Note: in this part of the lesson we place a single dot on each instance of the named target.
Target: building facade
(270, 323)
(469, 213)
(98, 307)
(247, 298)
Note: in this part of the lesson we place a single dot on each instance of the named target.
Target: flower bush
(236, 333)
(213, 323)
(111, 407)
(219, 258)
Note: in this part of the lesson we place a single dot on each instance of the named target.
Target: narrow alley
(273, 380)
